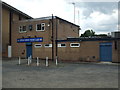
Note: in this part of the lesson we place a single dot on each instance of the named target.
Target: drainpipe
(52, 38)
(1, 30)
(56, 38)
(10, 26)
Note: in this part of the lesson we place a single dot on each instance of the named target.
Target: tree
(88, 33)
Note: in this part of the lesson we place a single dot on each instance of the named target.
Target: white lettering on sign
(30, 40)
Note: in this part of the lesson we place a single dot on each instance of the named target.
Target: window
(61, 45)
(43, 26)
(75, 45)
(30, 27)
(40, 27)
(22, 29)
(48, 45)
(38, 45)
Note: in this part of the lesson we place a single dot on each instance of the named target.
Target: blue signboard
(22, 40)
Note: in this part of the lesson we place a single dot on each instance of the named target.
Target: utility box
(9, 51)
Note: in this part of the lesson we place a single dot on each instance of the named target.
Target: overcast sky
(100, 16)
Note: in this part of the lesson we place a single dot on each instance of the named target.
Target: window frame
(30, 25)
(22, 29)
(40, 27)
(74, 43)
(38, 46)
(50, 45)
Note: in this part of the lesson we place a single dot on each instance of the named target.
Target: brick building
(9, 14)
(47, 29)
(52, 36)
(90, 49)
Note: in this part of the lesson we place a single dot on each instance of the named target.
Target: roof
(67, 21)
(48, 18)
(88, 39)
(37, 19)
(15, 10)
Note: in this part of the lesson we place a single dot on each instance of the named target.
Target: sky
(102, 16)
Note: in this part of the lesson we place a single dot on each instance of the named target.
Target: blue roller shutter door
(106, 52)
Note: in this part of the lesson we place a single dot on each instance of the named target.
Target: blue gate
(106, 52)
(28, 49)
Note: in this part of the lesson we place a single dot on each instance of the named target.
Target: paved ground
(66, 75)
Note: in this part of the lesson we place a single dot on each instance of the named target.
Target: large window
(74, 44)
(22, 29)
(40, 27)
(62, 45)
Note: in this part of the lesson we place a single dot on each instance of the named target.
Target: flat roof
(15, 10)
(88, 39)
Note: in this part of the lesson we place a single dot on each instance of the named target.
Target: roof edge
(87, 39)
(67, 21)
(16, 10)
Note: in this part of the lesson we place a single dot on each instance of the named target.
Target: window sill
(23, 32)
(40, 30)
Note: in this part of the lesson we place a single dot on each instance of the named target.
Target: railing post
(28, 61)
(19, 60)
(56, 61)
(46, 61)
(37, 61)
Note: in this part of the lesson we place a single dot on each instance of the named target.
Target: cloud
(43, 8)
(99, 16)
(104, 7)
(101, 22)
(92, 0)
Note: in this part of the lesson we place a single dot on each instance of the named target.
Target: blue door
(106, 52)
(28, 49)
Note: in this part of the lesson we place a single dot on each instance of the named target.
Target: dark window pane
(43, 27)
(38, 26)
(30, 27)
(38, 45)
(62, 44)
(20, 28)
(24, 28)
(47, 45)
(75, 45)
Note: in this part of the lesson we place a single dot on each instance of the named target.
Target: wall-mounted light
(48, 25)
